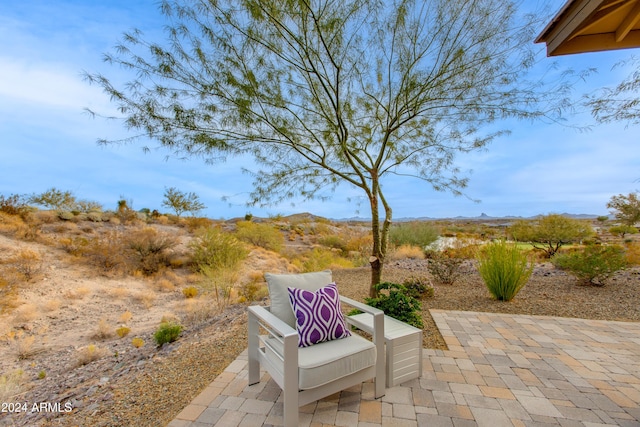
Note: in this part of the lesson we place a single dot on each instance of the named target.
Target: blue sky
(47, 140)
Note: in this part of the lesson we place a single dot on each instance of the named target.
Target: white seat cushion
(325, 362)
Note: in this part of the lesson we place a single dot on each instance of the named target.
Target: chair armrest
(272, 321)
(361, 306)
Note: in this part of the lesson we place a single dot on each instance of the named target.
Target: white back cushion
(278, 284)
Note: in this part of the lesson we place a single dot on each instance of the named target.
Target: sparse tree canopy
(54, 199)
(329, 92)
(182, 202)
(620, 103)
(626, 208)
(550, 232)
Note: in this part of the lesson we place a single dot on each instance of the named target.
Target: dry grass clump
(89, 354)
(123, 331)
(103, 330)
(406, 252)
(198, 310)
(144, 298)
(119, 292)
(77, 293)
(51, 305)
(26, 313)
(11, 384)
(125, 317)
(24, 346)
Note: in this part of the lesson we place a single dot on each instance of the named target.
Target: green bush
(395, 301)
(419, 287)
(167, 332)
(263, 235)
(322, 259)
(504, 269)
(214, 249)
(594, 264)
(413, 233)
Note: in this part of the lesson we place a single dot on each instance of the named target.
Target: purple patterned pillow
(318, 315)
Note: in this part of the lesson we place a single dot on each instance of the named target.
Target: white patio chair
(307, 374)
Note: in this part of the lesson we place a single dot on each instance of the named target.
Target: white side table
(403, 344)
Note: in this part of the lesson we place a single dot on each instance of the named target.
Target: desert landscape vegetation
(121, 317)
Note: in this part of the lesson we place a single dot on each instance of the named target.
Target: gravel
(154, 395)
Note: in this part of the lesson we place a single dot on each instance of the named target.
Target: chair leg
(290, 389)
(253, 338)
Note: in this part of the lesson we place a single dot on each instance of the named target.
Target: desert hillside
(82, 300)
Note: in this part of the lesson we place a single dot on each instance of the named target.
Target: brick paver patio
(500, 370)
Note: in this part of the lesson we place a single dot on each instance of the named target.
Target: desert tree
(55, 199)
(329, 93)
(182, 202)
(626, 208)
(549, 232)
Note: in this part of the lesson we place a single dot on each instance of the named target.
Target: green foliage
(504, 269)
(55, 199)
(417, 233)
(334, 241)
(621, 230)
(320, 259)
(550, 232)
(182, 202)
(263, 235)
(593, 264)
(626, 208)
(395, 300)
(419, 287)
(167, 332)
(216, 250)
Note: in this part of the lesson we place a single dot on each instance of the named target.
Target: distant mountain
(482, 217)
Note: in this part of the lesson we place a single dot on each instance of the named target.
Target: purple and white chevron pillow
(318, 315)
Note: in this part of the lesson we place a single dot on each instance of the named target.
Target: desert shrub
(321, 259)
(103, 330)
(504, 268)
(444, 268)
(593, 264)
(14, 205)
(194, 223)
(395, 301)
(125, 317)
(190, 292)
(219, 283)
(622, 230)
(418, 234)
(123, 331)
(25, 265)
(11, 384)
(252, 291)
(214, 249)
(95, 216)
(406, 252)
(263, 235)
(90, 353)
(24, 347)
(107, 252)
(149, 249)
(137, 342)
(167, 332)
(632, 251)
(198, 310)
(419, 287)
(144, 298)
(334, 242)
